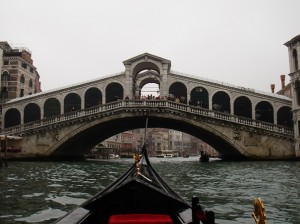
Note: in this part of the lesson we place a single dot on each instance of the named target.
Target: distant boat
(168, 155)
(165, 155)
(204, 157)
(114, 156)
(185, 155)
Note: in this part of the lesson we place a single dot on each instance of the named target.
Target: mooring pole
(5, 151)
(1, 145)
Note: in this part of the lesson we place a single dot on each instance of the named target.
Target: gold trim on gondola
(137, 158)
(259, 213)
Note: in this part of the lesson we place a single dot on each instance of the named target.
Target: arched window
(92, 97)
(114, 91)
(32, 112)
(30, 83)
(297, 88)
(199, 97)
(12, 118)
(21, 92)
(264, 112)
(72, 102)
(22, 79)
(5, 78)
(4, 84)
(295, 57)
(242, 107)
(51, 107)
(22, 82)
(221, 102)
(285, 116)
(178, 89)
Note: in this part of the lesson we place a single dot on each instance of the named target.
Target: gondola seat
(140, 219)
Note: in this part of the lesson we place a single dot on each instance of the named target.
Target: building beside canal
(294, 59)
(160, 142)
(19, 76)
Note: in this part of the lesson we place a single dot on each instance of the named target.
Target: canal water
(41, 192)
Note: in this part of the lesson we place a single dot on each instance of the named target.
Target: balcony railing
(148, 105)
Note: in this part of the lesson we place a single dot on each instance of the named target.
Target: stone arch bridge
(239, 122)
(72, 135)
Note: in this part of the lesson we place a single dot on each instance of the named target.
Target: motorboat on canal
(140, 195)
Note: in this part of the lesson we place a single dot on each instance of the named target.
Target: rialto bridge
(238, 122)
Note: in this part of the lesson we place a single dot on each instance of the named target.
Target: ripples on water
(37, 192)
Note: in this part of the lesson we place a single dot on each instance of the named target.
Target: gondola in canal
(140, 195)
(204, 156)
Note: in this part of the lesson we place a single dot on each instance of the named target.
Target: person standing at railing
(126, 100)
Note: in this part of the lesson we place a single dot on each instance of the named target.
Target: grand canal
(40, 192)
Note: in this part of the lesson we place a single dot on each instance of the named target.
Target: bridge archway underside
(235, 138)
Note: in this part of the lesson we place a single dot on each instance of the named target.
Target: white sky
(235, 41)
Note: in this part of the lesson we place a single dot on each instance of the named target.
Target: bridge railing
(150, 104)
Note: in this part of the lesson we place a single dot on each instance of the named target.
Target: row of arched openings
(72, 102)
(198, 97)
(242, 105)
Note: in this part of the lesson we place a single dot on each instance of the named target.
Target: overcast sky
(236, 41)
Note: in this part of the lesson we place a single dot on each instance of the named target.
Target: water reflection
(42, 192)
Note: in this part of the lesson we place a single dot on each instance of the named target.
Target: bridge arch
(199, 97)
(52, 107)
(79, 141)
(242, 106)
(72, 102)
(221, 102)
(284, 116)
(113, 92)
(264, 112)
(12, 117)
(32, 112)
(145, 78)
(92, 97)
(178, 89)
(143, 66)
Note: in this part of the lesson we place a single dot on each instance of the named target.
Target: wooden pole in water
(5, 151)
(1, 145)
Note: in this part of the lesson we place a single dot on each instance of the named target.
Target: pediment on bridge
(146, 56)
